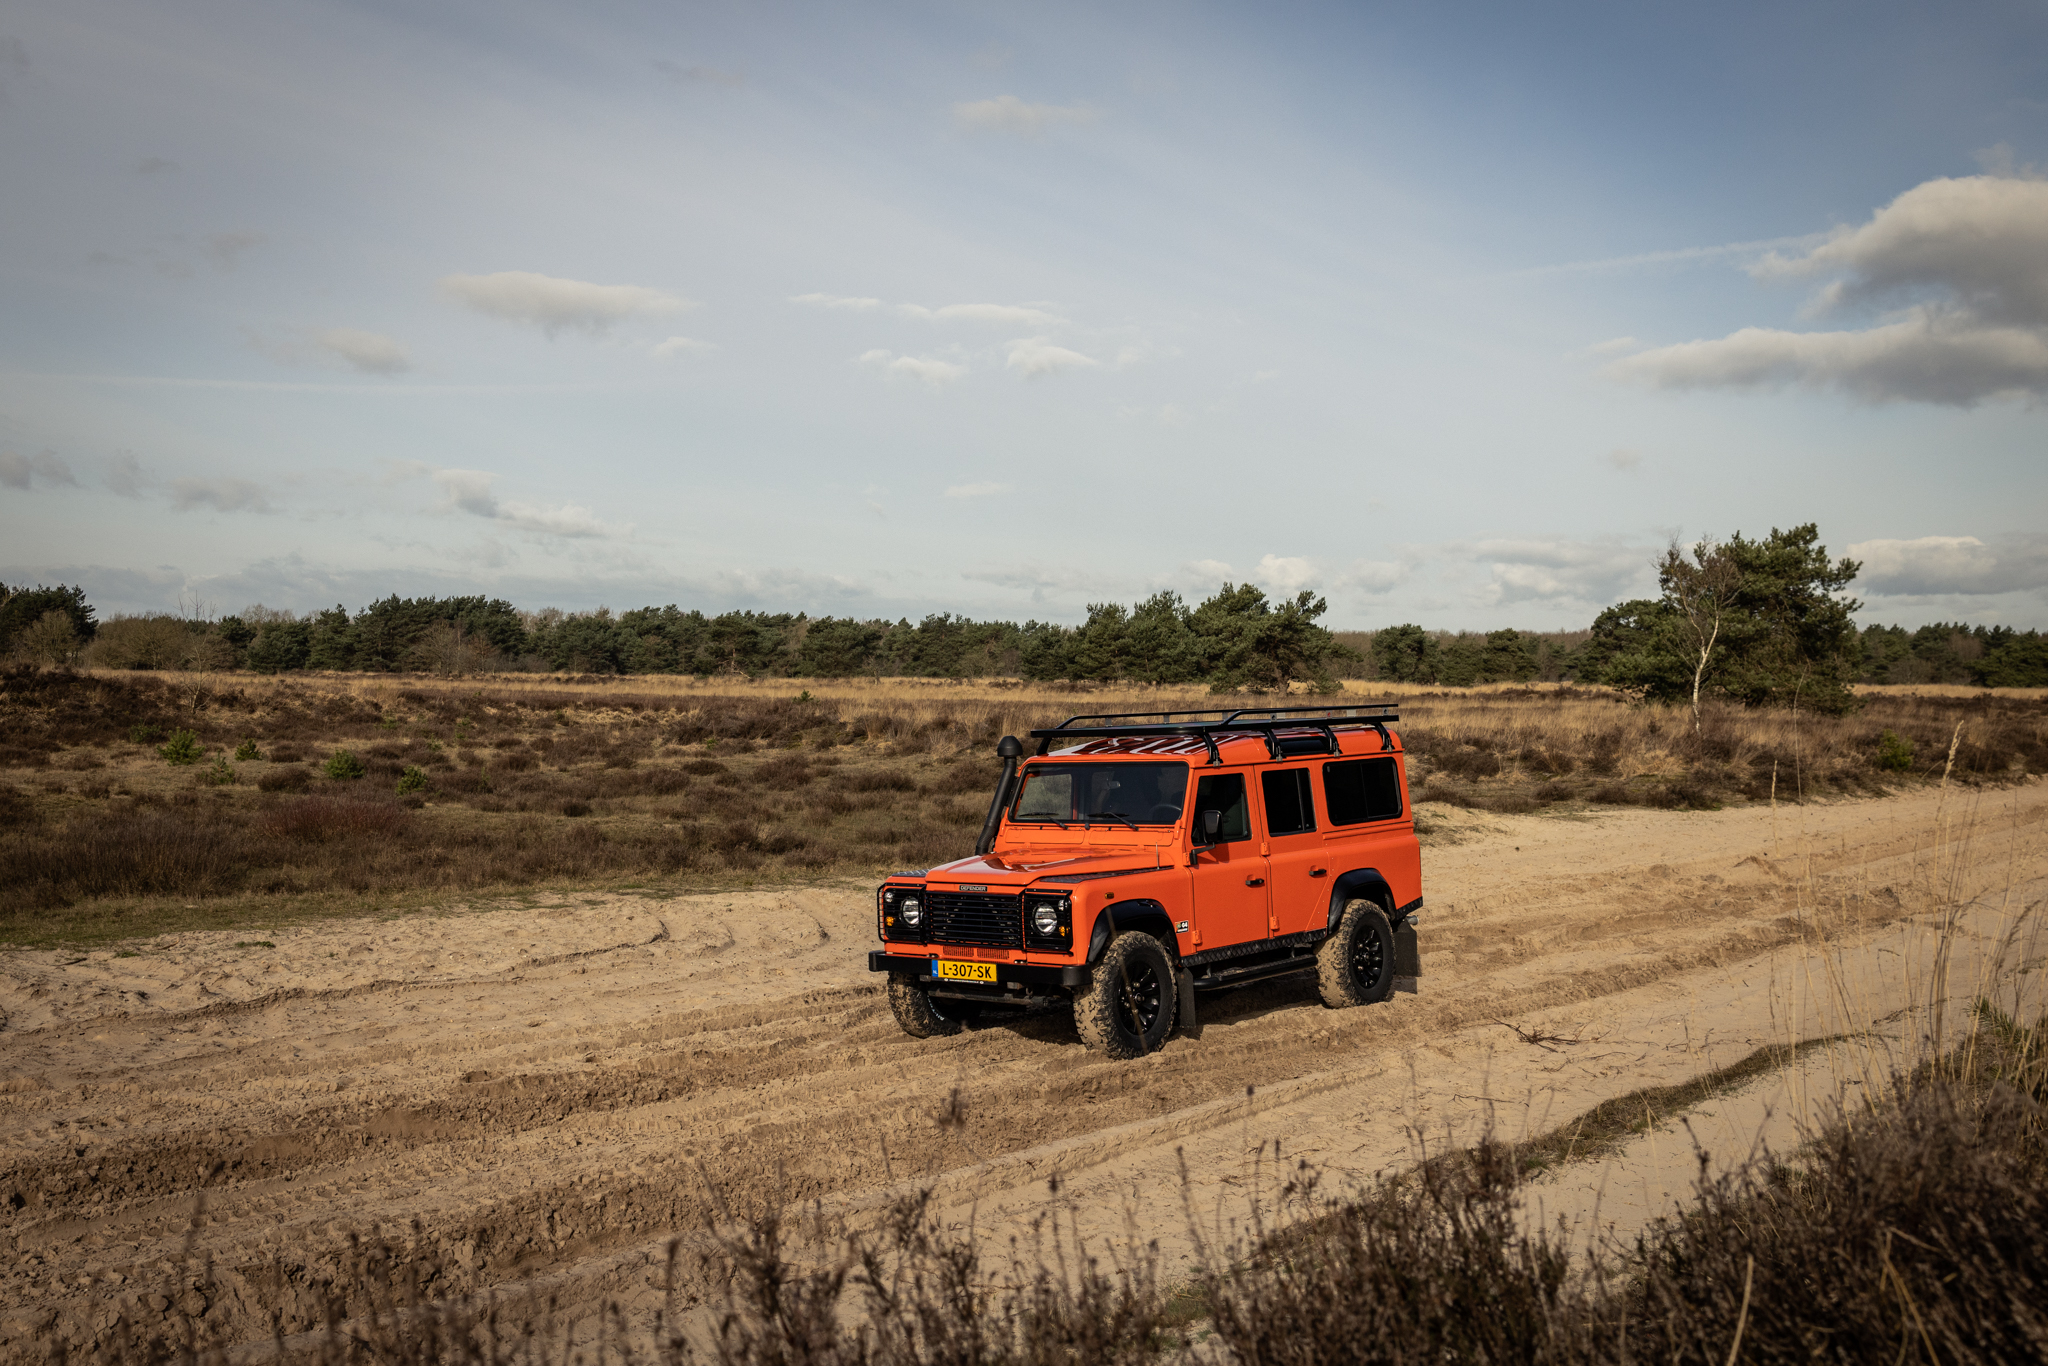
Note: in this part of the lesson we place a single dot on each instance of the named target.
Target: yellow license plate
(946, 968)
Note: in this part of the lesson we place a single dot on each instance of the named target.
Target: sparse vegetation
(538, 780)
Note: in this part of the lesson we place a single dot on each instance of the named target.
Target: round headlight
(1045, 917)
(911, 910)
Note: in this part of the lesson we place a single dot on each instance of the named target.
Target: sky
(1453, 314)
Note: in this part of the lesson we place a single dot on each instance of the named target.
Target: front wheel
(923, 1017)
(1126, 1008)
(1355, 965)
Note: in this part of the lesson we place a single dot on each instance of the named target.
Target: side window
(1360, 790)
(1224, 792)
(1289, 808)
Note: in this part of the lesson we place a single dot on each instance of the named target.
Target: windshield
(1117, 793)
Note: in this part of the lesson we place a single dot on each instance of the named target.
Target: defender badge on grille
(967, 887)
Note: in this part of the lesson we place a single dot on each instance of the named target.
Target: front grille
(974, 918)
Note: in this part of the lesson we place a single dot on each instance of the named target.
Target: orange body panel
(1236, 893)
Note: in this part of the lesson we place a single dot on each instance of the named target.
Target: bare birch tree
(1702, 587)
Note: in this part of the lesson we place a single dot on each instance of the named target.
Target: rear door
(1370, 823)
(1228, 882)
(1296, 850)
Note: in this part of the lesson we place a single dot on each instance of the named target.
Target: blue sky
(1455, 314)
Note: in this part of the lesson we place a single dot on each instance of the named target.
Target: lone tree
(1700, 589)
(1782, 635)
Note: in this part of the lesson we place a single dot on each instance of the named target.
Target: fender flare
(1360, 882)
(1135, 914)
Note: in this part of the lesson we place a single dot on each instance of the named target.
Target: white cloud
(1038, 356)
(1930, 358)
(1014, 315)
(1624, 459)
(1008, 114)
(1371, 576)
(1564, 571)
(556, 305)
(1614, 346)
(682, 346)
(1933, 565)
(222, 495)
(934, 372)
(24, 471)
(1285, 575)
(857, 304)
(470, 491)
(370, 352)
(1965, 263)
(983, 490)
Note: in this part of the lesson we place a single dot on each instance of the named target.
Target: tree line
(1764, 621)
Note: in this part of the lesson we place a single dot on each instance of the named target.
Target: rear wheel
(1355, 966)
(1126, 1008)
(922, 1016)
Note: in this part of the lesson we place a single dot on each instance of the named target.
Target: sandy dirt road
(546, 1089)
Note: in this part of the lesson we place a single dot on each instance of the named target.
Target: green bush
(181, 748)
(413, 779)
(247, 750)
(143, 735)
(222, 774)
(1894, 752)
(344, 764)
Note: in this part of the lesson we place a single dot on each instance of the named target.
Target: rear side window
(1289, 808)
(1361, 790)
(1224, 792)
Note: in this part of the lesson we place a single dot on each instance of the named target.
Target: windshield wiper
(1114, 816)
(1040, 820)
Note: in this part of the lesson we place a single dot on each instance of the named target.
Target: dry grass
(660, 782)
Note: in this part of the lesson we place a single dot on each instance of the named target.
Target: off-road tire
(1355, 965)
(920, 1015)
(1101, 1011)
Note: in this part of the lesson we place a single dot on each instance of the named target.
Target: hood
(1012, 871)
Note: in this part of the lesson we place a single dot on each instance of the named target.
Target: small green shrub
(254, 944)
(222, 774)
(181, 748)
(247, 750)
(1894, 752)
(144, 735)
(344, 764)
(413, 779)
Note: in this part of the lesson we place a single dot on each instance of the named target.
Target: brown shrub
(322, 818)
(281, 777)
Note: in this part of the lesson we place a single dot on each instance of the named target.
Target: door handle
(1255, 882)
(1319, 872)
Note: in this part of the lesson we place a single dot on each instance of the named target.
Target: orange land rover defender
(1160, 854)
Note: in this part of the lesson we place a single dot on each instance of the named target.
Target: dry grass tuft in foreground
(1908, 1233)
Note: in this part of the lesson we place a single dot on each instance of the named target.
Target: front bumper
(1028, 974)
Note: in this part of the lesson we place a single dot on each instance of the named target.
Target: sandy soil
(542, 1093)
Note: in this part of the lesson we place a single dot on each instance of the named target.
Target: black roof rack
(1199, 725)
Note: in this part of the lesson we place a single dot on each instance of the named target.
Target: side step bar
(1220, 976)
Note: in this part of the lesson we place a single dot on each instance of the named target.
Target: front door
(1228, 881)
(1296, 851)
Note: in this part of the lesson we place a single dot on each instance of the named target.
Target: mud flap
(1188, 1024)
(1407, 958)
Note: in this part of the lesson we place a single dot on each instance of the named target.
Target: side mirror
(1212, 825)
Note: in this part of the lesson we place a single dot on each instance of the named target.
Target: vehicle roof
(1238, 748)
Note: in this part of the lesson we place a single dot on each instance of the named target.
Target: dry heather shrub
(322, 818)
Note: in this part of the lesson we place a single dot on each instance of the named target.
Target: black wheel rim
(1368, 957)
(1138, 997)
